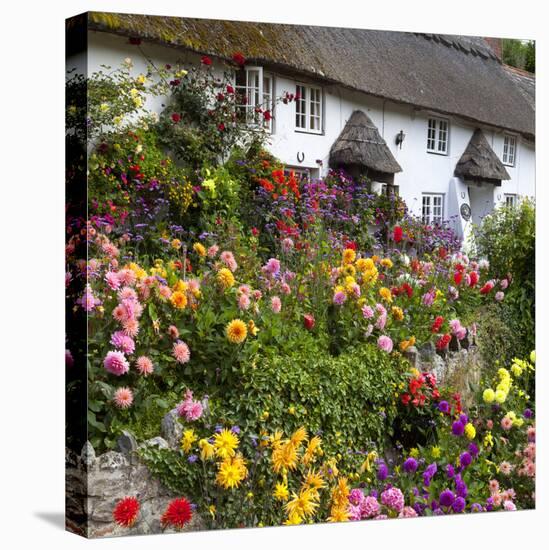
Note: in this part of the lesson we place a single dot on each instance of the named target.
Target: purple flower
(461, 487)
(476, 507)
(192, 458)
(235, 429)
(446, 498)
(458, 428)
(528, 413)
(458, 505)
(450, 472)
(465, 459)
(463, 418)
(410, 465)
(382, 471)
(444, 407)
(473, 448)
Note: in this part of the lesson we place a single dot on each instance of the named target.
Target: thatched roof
(479, 162)
(455, 75)
(360, 144)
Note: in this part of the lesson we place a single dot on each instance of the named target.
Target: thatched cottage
(438, 119)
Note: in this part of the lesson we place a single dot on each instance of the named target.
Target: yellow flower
(176, 243)
(207, 450)
(365, 264)
(225, 278)
(435, 452)
(349, 270)
(405, 344)
(470, 431)
(231, 472)
(312, 448)
(212, 510)
(178, 300)
(488, 395)
(181, 285)
(299, 436)
(225, 443)
(414, 452)
(281, 492)
(104, 107)
(500, 396)
(397, 313)
(141, 79)
(284, 457)
(488, 440)
(236, 331)
(294, 519)
(385, 293)
(252, 329)
(386, 262)
(189, 437)
(304, 504)
(314, 480)
(349, 256)
(533, 357)
(199, 249)
(516, 370)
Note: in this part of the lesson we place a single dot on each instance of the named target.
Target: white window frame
(510, 199)
(302, 172)
(428, 201)
(256, 96)
(312, 110)
(396, 189)
(509, 153)
(438, 135)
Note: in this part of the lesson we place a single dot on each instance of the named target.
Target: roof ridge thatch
(479, 162)
(349, 148)
(421, 70)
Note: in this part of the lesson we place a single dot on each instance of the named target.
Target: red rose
(255, 231)
(405, 398)
(230, 89)
(205, 60)
(267, 115)
(458, 276)
(220, 96)
(176, 117)
(308, 321)
(397, 234)
(221, 127)
(239, 59)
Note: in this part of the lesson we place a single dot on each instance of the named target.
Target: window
(509, 150)
(510, 200)
(308, 109)
(432, 208)
(437, 136)
(301, 173)
(254, 95)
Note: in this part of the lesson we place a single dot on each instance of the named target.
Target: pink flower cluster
(189, 408)
(458, 330)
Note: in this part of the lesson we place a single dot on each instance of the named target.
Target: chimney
(496, 45)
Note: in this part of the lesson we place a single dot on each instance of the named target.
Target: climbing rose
(239, 59)
(176, 117)
(206, 60)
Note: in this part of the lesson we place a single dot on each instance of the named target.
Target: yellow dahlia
(225, 443)
(281, 492)
(231, 472)
(207, 450)
(304, 504)
(178, 299)
(199, 249)
(397, 313)
(225, 278)
(349, 256)
(385, 293)
(236, 331)
(285, 457)
(299, 436)
(312, 448)
(189, 437)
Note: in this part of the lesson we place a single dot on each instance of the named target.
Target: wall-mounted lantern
(399, 139)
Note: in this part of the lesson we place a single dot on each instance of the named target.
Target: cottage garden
(276, 318)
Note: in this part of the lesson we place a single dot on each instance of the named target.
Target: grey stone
(171, 429)
(126, 443)
(87, 456)
(157, 441)
(412, 355)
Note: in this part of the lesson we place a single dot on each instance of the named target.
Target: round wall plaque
(465, 211)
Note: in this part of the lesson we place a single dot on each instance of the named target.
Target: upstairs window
(509, 150)
(437, 136)
(254, 95)
(395, 189)
(432, 208)
(308, 109)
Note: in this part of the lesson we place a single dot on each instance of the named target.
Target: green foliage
(520, 54)
(507, 239)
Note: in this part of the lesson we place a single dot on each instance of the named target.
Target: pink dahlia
(115, 362)
(123, 342)
(385, 343)
(212, 251)
(509, 505)
(181, 352)
(127, 277)
(367, 312)
(276, 304)
(127, 293)
(356, 497)
(244, 301)
(173, 331)
(123, 398)
(112, 280)
(144, 365)
(339, 298)
(131, 327)
(272, 267)
(407, 512)
(506, 423)
(354, 512)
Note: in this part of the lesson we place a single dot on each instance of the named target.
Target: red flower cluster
(126, 511)
(176, 117)
(177, 514)
(487, 288)
(205, 60)
(436, 326)
(281, 185)
(473, 279)
(443, 341)
(421, 389)
(405, 288)
(397, 234)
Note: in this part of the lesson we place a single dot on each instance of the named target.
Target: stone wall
(94, 484)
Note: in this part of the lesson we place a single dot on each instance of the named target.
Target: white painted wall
(422, 171)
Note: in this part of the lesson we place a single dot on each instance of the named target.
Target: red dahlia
(177, 514)
(126, 511)
(397, 234)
